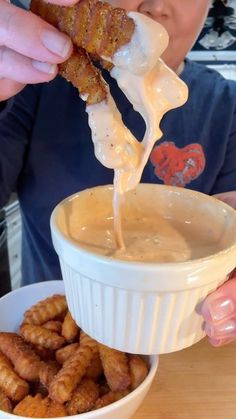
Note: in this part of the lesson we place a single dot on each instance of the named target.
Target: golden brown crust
(39, 407)
(93, 25)
(5, 403)
(95, 370)
(47, 373)
(138, 370)
(95, 28)
(109, 398)
(66, 352)
(46, 310)
(83, 398)
(14, 387)
(72, 372)
(80, 71)
(53, 325)
(38, 335)
(116, 368)
(70, 330)
(25, 361)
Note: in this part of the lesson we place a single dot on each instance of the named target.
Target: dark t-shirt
(46, 152)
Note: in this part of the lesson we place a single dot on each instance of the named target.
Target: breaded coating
(39, 407)
(93, 25)
(116, 368)
(86, 340)
(47, 373)
(83, 398)
(70, 330)
(13, 386)
(38, 335)
(70, 375)
(80, 71)
(5, 403)
(138, 370)
(64, 353)
(95, 370)
(53, 325)
(109, 398)
(44, 353)
(24, 359)
(46, 310)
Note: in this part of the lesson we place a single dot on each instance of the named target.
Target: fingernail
(44, 67)
(221, 330)
(56, 43)
(221, 308)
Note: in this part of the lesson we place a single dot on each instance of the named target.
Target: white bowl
(12, 308)
(137, 307)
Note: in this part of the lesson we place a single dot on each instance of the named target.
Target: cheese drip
(153, 89)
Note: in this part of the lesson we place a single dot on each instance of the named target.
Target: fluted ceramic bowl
(143, 307)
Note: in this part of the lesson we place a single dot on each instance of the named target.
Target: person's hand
(219, 308)
(30, 48)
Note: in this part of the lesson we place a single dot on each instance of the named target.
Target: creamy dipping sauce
(153, 89)
(151, 239)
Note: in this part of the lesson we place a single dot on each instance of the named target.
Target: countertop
(195, 383)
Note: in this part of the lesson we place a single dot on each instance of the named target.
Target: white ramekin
(146, 308)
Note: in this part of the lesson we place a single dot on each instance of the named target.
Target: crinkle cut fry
(83, 398)
(13, 386)
(70, 375)
(25, 361)
(116, 368)
(46, 310)
(81, 72)
(38, 335)
(93, 25)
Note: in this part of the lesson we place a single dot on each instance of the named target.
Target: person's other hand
(30, 48)
(219, 308)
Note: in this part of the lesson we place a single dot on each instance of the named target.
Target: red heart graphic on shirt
(178, 166)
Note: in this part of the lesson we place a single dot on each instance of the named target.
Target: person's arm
(219, 308)
(16, 122)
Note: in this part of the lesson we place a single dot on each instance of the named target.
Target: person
(46, 151)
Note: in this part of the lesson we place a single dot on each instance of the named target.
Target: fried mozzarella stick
(25, 361)
(46, 310)
(93, 25)
(12, 385)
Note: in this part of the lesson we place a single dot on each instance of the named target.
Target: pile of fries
(51, 368)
